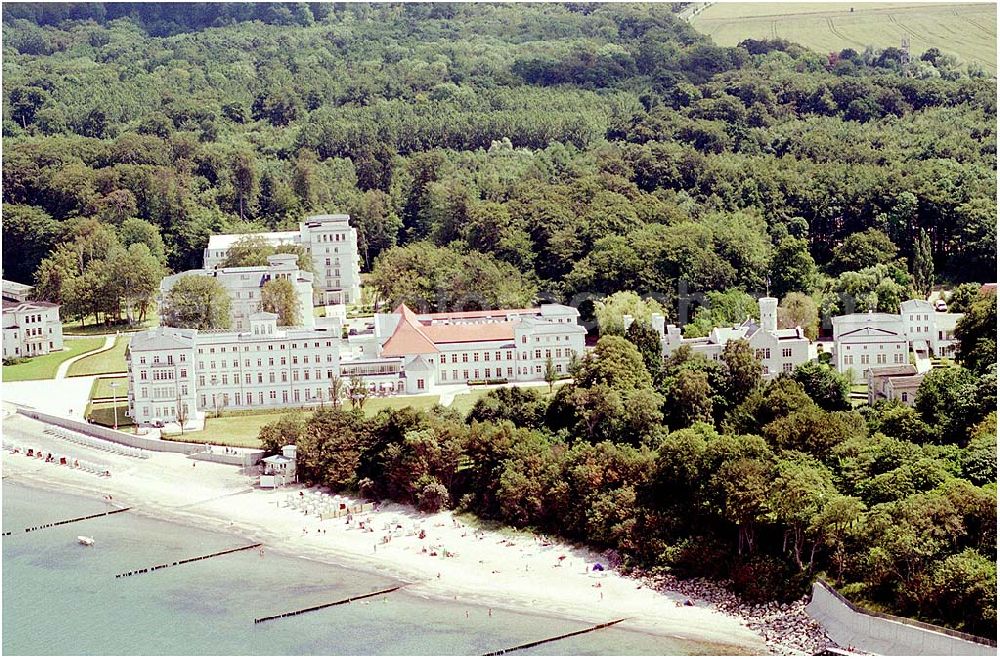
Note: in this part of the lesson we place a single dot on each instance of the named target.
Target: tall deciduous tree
(976, 334)
(799, 310)
(278, 296)
(197, 302)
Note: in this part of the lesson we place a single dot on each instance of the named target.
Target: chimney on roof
(768, 313)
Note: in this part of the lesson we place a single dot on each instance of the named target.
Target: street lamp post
(114, 401)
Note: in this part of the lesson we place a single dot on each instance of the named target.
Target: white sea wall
(850, 627)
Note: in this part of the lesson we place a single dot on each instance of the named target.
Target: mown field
(966, 30)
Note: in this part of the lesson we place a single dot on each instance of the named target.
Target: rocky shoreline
(786, 628)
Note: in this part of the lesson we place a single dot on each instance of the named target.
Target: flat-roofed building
(332, 244)
(264, 366)
(16, 292)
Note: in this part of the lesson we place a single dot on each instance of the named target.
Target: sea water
(62, 598)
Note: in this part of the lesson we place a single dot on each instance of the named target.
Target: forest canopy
(593, 148)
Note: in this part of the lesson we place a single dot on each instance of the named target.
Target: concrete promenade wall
(248, 458)
(136, 441)
(850, 625)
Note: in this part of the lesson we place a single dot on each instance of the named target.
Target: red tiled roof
(473, 332)
(412, 337)
(409, 337)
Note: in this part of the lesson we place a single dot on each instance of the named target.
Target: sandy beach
(455, 559)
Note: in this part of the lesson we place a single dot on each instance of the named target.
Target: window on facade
(420, 383)
(786, 352)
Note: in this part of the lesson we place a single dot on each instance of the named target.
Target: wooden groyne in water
(147, 570)
(525, 646)
(70, 521)
(325, 606)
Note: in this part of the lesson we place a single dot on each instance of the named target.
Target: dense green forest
(579, 148)
(562, 151)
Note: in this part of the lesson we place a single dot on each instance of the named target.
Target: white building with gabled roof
(779, 350)
(862, 341)
(414, 352)
(331, 242)
(31, 329)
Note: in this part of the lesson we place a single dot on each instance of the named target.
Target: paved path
(109, 342)
(56, 397)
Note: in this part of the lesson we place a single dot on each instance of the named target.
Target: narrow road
(109, 342)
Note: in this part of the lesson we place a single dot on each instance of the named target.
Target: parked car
(940, 305)
(157, 423)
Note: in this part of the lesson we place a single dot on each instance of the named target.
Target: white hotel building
(245, 286)
(331, 242)
(779, 350)
(171, 369)
(862, 341)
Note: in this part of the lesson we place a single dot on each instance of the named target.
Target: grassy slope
(242, 429)
(45, 367)
(109, 361)
(966, 30)
(102, 388)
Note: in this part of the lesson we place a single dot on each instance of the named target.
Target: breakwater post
(147, 570)
(289, 614)
(70, 521)
(524, 646)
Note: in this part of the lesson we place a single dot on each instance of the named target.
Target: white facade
(30, 329)
(204, 372)
(506, 345)
(245, 287)
(333, 245)
(870, 340)
(215, 371)
(779, 350)
(929, 329)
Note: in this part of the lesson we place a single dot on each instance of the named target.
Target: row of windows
(270, 346)
(881, 358)
(224, 379)
(240, 398)
(32, 348)
(282, 361)
(33, 318)
(548, 339)
(156, 359)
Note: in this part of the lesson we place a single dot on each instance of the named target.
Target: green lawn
(242, 429)
(76, 328)
(109, 361)
(965, 30)
(102, 388)
(104, 414)
(45, 367)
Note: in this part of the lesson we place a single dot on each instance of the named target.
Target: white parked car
(940, 305)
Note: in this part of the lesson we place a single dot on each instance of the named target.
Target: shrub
(433, 497)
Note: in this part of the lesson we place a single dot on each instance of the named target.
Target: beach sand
(501, 568)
